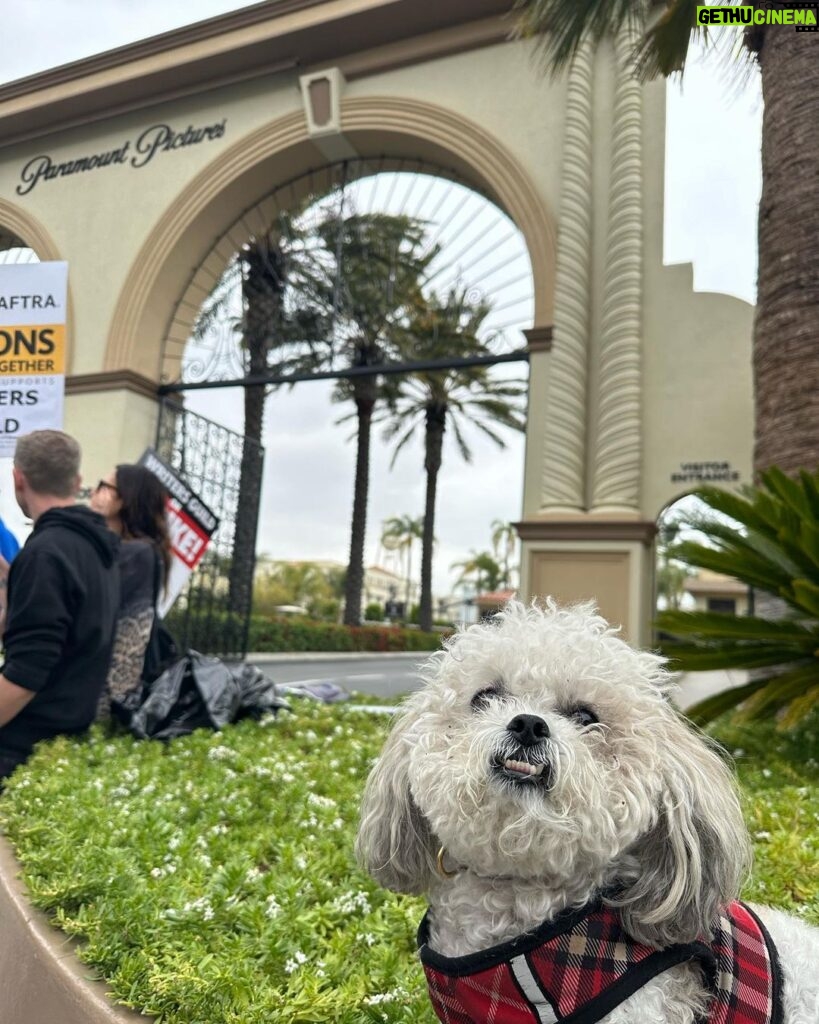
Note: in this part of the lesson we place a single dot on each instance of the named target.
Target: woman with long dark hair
(132, 501)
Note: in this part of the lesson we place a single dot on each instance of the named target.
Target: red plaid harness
(577, 968)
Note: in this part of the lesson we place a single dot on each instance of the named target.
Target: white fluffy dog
(564, 818)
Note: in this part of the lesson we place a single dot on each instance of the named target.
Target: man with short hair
(63, 596)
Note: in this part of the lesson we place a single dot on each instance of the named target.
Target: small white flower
(297, 960)
(320, 801)
(379, 997)
(350, 902)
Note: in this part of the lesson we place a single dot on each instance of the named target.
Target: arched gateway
(135, 164)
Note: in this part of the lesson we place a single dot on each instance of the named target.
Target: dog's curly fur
(627, 797)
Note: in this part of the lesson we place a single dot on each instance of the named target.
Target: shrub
(212, 879)
(374, 612)
(308, 635)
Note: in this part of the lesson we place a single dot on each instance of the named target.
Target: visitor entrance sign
(32, 349)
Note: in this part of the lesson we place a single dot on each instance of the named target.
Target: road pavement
(389, 675)
(379, 675)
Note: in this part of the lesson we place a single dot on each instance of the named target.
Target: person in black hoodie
(63, 598)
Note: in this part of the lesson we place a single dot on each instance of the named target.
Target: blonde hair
(50, 462)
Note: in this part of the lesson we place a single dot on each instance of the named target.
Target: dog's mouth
(521, 771)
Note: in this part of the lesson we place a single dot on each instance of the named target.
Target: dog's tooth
(522, 766)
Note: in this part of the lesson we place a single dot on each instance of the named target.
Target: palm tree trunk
(433, 444)
(247, 512)
(262, 295)
(786, 329)
(364, 403)
(409, 580)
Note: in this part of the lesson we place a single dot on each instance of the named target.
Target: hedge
(299, 634)
(267, 634)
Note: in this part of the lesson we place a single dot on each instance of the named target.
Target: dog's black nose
(528, 729)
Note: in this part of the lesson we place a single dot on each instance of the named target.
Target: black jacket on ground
(63, 601)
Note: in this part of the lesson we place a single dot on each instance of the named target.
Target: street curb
(335, 656)
(41, 979)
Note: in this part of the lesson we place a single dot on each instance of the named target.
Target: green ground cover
(212, 881)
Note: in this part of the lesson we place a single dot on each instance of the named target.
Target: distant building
(381, 585)
(491, 602)
(713, 592)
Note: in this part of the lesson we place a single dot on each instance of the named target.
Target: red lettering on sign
(187, 540)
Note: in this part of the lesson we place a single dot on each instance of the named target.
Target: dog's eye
(483, 698)
(583, 716)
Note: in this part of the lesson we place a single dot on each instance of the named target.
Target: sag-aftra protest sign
(32, 349)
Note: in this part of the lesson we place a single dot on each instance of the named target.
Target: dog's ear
(395, 843)
(696, 857)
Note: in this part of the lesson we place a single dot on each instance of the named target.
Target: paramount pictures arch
(639, 386)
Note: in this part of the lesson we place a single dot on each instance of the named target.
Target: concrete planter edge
(41, 978)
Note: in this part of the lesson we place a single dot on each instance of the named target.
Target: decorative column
(564, 463)
(617, 449)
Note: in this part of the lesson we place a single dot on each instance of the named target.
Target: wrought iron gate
(212, 614)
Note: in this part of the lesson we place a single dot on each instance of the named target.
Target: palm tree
(481, 568)
(770, 541)
(504, 540)
(671, 574)
(785, 340)
(283, 324)
(314, 298)
(433, 399)
(379, 262)
(399, 533)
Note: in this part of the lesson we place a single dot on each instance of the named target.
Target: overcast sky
(712, 190)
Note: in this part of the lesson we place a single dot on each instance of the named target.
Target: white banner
(191, 524)
(32, 349)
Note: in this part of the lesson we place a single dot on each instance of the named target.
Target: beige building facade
(146, 167)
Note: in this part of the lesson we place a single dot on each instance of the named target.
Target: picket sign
(191, 525)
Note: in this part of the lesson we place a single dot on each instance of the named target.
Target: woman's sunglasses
(103, 484)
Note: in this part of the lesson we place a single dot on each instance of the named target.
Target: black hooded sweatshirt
(63, 600)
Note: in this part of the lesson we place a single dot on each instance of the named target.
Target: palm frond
(700, 657)
(663, 48)
(707, 710)
(779, 690)
(745, 627)
(799, 708)
(771, 544)
(755, 572)
(560, 26)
